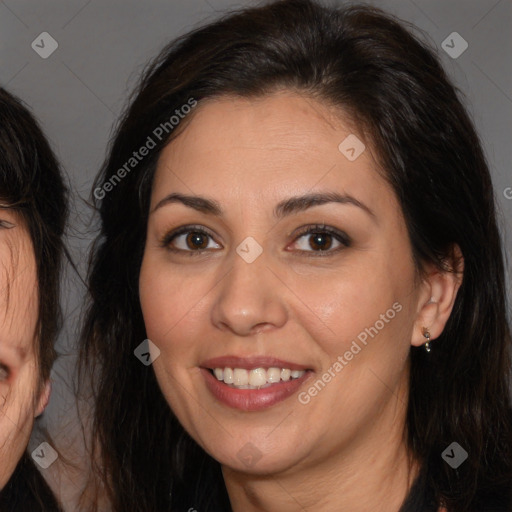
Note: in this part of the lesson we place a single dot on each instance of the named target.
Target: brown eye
(196, 240)
(320, 241)
(189, 239)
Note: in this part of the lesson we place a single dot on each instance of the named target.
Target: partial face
(18, 317)
(278, 283)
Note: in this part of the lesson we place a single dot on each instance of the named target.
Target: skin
(345, 449)
(20, 401)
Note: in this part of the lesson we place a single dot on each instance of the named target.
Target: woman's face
(18, 318)
(279, 286)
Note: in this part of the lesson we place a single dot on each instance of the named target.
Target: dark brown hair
(392, 86)
(31, 184)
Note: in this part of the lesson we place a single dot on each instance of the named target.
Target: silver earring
(426, 334)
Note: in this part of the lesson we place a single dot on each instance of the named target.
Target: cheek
(13, 443)
(16, 422)
(346, 303)
(172, 303)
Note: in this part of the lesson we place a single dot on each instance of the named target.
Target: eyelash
(339, 236)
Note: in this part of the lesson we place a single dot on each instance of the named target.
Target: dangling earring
(426, 334)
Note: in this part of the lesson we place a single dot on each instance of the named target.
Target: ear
(437, 296)
(44, 398)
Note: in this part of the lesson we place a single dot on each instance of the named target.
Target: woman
(32, 218)
(297, 295)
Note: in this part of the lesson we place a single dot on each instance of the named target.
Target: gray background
(78, 93)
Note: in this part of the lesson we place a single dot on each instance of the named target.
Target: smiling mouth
(256, 378)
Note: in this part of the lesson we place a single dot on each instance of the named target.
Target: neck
(373, 472)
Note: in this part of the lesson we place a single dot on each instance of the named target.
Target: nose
(249, 299)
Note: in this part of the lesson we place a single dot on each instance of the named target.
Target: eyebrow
(284, 208)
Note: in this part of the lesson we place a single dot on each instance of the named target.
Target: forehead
(277, 123)
(266, 147)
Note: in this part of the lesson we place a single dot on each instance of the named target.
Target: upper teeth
(256, 378)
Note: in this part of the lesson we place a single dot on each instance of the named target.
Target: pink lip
(251, 399)
(249, 363)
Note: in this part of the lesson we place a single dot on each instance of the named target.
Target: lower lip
(252, 399)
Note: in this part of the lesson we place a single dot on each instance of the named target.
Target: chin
(257, 460)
